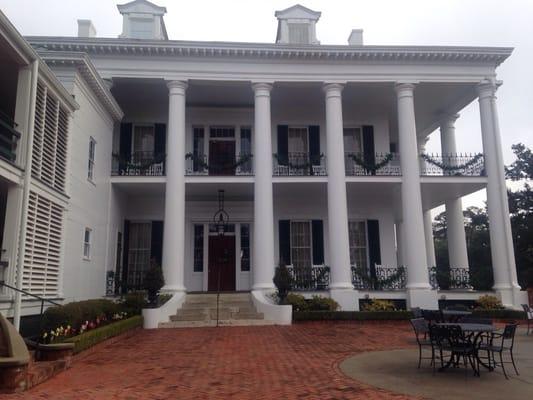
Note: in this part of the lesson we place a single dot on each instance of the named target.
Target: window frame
(134, 127)
(306, 128)
(310, 225)
(87, 244)
(350, 247)
(91, 159)
(361, 138)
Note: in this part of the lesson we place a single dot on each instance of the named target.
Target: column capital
(448, 121)
(332, 89)
(262, 88)
(404, 89)
(177, 87)
(487, 88)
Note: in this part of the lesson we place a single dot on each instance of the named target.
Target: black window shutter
(125, 143)
(314, 144)
(283, 144)
(318, 241)
(160, 139)
(285, 241)
(369, 151)
(374, 249)
(125, 254)
(156, 251)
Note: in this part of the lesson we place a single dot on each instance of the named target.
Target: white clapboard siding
(43, 247)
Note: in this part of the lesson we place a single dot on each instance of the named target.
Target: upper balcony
(219, 164)
(452, 165)
(299, 164)
(139, 163)
(9, 138)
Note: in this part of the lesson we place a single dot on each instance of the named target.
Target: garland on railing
(243, 159)
(306, 165)
(143, 163)
(376, 282)
(372, 167)
(447, 167)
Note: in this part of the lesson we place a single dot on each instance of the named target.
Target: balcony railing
(450, 279)
(9, 138)
(452, 165)
(299, 164)
(382, 165)
(309, 278)
(139, 163)
(219, 165)
(382, 278)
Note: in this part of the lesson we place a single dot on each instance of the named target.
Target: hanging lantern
(221, 217)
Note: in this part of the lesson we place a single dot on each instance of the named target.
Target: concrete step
(212, 323)
(248, 315)
(195, 317)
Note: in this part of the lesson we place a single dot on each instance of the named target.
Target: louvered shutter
(42, 258)
(318, 241)
(125, 143)
(156, 250)
(283, 144)
(374, 248)
(38, 130)
(125, 256)
(314, 145)
(285, 241)
(369, 151)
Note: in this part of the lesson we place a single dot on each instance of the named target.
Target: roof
(379, 54)
(298, 11)
(141, 6)
(86, 68)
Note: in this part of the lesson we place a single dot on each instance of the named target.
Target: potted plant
(153, 282)
(283, 281)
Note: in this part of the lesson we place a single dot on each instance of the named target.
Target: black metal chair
(433, 316)
(476, 320)
(451, 339)
(417, 312)
(529, 316)
(500, 343)
(421, 328)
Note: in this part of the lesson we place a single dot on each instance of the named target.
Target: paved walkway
(396, 370)
(271, 362)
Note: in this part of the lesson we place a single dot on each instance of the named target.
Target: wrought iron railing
(309, 278)
(452, 278)
(432, 276)
(9, 138)
(452, 165)
(357, 164)
(219, 165)
(381, 278)
(299, 164)
(139, 163)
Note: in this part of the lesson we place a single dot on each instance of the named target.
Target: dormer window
(143, 20)
(296, 25)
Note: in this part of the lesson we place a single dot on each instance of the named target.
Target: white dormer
(296, 25)
(143, 20)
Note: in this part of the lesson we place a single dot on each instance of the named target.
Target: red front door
(221, 157)
(221, 270)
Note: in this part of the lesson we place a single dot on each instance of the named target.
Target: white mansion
(113, 153)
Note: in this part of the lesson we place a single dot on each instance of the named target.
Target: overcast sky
(385, 22)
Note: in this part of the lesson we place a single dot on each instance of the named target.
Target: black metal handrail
(42, 299)
(9, 138)
(452, 164)
(309, 278)
(219, 165)
(452, 278)
(139, 163)
(358, 164)
(380, 278)
(299, 164)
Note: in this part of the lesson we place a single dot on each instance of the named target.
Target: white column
(263, 238)
(419, 293)
(455, 233)
(431, 260)
(174, 224)
(341, 287)
(501, 244)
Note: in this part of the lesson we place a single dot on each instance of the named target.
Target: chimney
(86, 28)
(356, 37)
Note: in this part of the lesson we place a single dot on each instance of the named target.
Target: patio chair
(421, 328)
(500, 343)
(452, 340)
(433, 316)
(476, 320)
(417, 312)
(529, 315)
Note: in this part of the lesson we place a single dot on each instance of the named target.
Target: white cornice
(84, 65)
(171, 48)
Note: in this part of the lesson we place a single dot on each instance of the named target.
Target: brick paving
(270, 362)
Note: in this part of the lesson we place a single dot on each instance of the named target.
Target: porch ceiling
(235, 191)
(436, 191)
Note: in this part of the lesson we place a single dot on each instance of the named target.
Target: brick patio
(293, 362)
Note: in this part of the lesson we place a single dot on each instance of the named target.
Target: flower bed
(95, 336)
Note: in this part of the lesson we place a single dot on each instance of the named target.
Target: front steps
(200, 310)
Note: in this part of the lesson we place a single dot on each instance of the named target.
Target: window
(298, 140)
(245, 247)
(90, 168)
(301, 244)
(358, 244)
(222, 132)
(87, 244)
(140, 244)
(299, 33)
(353, 142)
(143, 139)
(198, 248)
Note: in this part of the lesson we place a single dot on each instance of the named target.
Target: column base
(171, 289)
(423, 298)
(348, 299)
(512, 297)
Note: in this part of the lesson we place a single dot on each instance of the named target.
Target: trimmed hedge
(392, 315)
(95, 336)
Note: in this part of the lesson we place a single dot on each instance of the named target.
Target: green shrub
(283, 282)
(318, 303)
(352, 315)
(153, 281)
(95, 336)
(134, 302)
(488, 302)
(379, 305)
(76, 313)
(297, 301)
